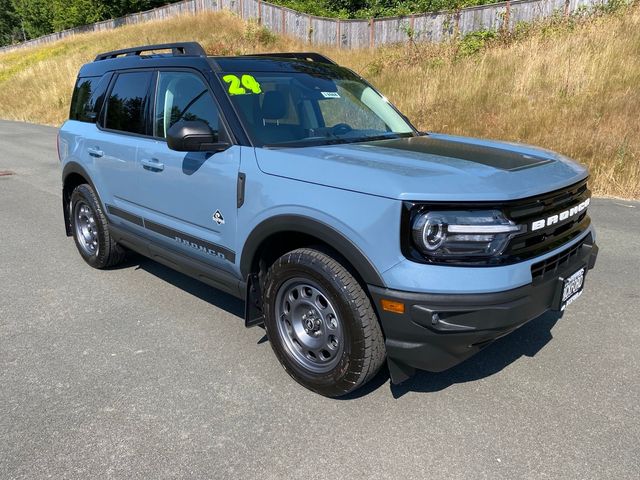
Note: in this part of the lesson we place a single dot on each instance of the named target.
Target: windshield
(296, 109)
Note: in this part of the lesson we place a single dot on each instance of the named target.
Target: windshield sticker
(241, 86)
(330, 94)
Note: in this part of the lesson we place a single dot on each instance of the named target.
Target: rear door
(114, 147)
(188, 200)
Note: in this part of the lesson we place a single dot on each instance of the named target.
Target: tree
(9, 23)
(40, 17)
(72, 13)
(348, 5)
(119, 8)
(35, 16)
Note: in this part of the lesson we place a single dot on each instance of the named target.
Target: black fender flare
(75, 167)
(69, 169)
(315, 228)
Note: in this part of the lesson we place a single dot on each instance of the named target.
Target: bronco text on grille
(560, 217)
(554, 219)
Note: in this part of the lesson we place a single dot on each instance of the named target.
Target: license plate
(572, 288)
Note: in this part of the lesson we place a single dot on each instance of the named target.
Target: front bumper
(438, 331)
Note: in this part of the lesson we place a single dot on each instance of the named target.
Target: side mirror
(195, 136)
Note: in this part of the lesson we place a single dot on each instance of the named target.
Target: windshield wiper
(314, 142)
(311, 142)
(373, 138)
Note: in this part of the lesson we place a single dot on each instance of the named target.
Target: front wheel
(321, 324)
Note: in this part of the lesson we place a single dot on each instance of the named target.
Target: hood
(433, 167)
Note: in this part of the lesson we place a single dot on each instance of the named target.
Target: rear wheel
(321, 324)
(91, 230)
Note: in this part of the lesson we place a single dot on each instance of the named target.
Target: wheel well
(282, 233)
(277, 244)
(273, 247)
(71, 181)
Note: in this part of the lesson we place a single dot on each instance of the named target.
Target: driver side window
(183, 96)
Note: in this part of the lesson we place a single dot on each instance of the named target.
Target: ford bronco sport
(290, 182)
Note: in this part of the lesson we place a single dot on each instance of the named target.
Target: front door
(188, 199)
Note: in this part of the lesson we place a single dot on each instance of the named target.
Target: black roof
(265, 63)
(98, 68)
(191, 54)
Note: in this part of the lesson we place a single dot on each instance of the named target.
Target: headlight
(452, 235)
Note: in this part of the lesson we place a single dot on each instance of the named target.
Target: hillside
(571, 86)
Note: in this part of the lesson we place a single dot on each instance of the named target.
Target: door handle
(95, 152)
(152, 164)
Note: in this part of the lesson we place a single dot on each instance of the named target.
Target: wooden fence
(358, 33)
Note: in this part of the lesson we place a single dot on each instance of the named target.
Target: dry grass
(573, 90)
(36, 83)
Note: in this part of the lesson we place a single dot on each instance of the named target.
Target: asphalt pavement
(141, 372)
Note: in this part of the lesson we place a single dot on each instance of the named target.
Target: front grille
(533, 243)
(524, 246)
(557, 261)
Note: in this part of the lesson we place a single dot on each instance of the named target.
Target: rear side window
(127, 102)
(87, 99)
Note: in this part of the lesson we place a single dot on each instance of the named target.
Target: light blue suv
(290, 182)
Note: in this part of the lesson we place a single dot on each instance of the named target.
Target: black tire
(105, 252)
(363, 351)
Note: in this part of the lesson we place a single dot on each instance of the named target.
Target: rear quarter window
(88, 97)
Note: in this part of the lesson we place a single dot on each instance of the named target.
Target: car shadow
(211, 295)
(527, 341)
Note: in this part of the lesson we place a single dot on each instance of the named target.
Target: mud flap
(399, 372)
(67, 214)
(253, 315)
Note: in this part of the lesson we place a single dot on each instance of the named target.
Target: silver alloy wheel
(86, 228)
(308, 325)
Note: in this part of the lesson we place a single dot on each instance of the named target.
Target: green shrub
(474, 42)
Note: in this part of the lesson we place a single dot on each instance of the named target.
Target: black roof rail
(309, 56)
(192, 49)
